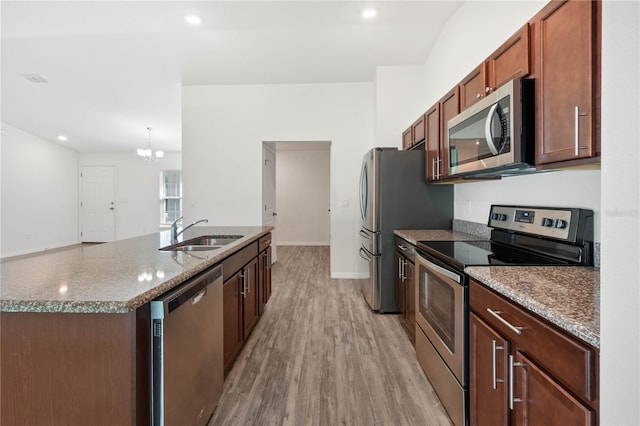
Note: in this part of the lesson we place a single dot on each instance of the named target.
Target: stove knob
(561, 224)
(502, 217)
(547, 222)
(494, 216)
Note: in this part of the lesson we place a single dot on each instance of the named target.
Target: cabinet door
(407, 139)
(418, 129)
(488, 380)
(565, 81)
(472, 88)
(510, 61)
(540, 400)
(410, 300)
(432, 142)
(449, 108)
(267, 275)
(262, 278)
(232, 319)
(399, 282)
(250, 297)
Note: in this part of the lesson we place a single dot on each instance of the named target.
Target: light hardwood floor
(319, 356)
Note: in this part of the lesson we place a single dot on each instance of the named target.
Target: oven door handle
(440, 270)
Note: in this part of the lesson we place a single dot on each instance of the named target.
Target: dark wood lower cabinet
(540, 400)
(488, 361)
(245, 294)
(75, 369)
(405, 290)
(553, 376)
(232, 319)
(250, 310)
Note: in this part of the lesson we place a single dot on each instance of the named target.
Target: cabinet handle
(401, 247)
(244, 285)
(496, 314)
(248, 281)
(576, 126)
(433, 168)
(513, 364)
(438, 167)
(403, 263)
(494, 348)
(478, 96)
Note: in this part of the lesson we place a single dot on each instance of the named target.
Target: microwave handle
(487, 130)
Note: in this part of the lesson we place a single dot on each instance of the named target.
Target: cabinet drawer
(236, 261)
(264, 242)
(567, 359)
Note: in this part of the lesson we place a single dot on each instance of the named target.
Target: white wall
(303, 196)
(137, 189)
(222, 134)
(39, 194)
(620, 289)
(399, 100)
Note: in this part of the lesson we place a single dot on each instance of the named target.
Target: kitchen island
(75, 325)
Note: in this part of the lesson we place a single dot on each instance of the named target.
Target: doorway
(296, 191)
(97, 207)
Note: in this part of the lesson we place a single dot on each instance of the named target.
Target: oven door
(442, 312)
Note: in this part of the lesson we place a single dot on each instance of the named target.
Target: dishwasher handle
(191, 292)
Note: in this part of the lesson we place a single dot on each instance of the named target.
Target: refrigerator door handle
(364, 255)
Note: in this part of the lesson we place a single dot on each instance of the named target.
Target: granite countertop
(114, 277)
(567, 296)
(415, 235)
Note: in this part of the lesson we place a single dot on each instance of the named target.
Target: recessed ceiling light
(193, 19)
(369, 13)
(62, 138)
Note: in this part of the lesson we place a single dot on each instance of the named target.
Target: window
(170, 196)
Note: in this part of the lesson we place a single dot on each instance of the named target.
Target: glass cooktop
(483, 253)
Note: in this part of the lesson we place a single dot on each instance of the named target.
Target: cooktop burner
(484, 253)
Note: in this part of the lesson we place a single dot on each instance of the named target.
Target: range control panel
(546, 222)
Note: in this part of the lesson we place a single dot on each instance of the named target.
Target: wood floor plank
(319, 356)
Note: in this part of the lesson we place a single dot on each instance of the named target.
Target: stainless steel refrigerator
(394, 195)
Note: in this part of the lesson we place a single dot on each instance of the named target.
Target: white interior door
(97, 207)
(269, 192)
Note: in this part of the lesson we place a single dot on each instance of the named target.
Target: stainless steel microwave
(495, 136)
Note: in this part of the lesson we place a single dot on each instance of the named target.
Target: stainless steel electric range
(520, 236)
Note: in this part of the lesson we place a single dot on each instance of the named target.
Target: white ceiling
(113, 68)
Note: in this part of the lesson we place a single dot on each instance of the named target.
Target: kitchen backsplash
(473, 228)
(483, 231)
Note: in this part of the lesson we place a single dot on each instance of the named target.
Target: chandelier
(148, 154)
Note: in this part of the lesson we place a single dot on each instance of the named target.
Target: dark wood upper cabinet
(449, 108)
(510, 61)
(418, 129)
(432, 142)
(567, 47)
(472, 88)
(407, 139)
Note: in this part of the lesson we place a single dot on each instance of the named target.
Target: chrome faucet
(174, 228)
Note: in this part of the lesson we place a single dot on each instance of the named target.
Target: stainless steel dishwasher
(187, 351)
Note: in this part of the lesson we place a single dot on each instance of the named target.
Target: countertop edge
(564, 323)
(118, 307)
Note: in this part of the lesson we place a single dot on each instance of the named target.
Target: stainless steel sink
(202, 243)
(192, 248)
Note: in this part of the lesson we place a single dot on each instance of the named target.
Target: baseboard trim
(303, 243)
(349, 275)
